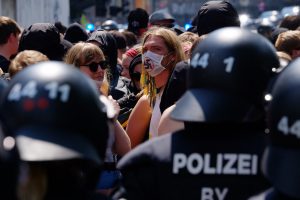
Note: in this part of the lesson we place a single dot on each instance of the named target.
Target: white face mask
(152, 63)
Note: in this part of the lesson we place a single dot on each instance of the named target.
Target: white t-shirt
(155, 117)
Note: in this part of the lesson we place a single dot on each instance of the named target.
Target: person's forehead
(138, 68)
(163, 22)
(94, 58)
(154, 40)
(126, 61)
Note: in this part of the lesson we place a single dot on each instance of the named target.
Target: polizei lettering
(223, 163)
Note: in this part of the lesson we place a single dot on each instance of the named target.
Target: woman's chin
(98, 78)
(98, 83)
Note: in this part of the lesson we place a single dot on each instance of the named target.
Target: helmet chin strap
(165, 66)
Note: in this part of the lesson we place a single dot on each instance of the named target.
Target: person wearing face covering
(217, 156)
(161, 51)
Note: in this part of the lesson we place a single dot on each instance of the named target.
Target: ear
(11, 38)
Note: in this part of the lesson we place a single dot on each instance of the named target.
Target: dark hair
(131, 38)
(120, 39)
(7, 27)
(134, 62)
(108, 45)
(137, 19)
(61, 28)
(290, 22)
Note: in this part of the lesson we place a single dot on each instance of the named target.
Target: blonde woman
(90, 60)
(161, 51)
(24, 59)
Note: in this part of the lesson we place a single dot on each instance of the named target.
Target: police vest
(200, 163)
(271, 194)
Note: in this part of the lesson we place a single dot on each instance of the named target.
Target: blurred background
(91, 13)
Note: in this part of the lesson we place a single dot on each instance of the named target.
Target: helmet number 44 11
(30, 90)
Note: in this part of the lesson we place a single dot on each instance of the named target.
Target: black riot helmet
(9, 161)
(229, 72)
(110, 25)
(55, 113)
(282, 157)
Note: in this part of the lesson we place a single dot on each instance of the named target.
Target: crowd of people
(151, 112)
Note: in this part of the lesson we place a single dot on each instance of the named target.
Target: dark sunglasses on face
(136, 76)
(94, 66)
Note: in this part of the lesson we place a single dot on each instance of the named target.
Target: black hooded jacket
(107, 43)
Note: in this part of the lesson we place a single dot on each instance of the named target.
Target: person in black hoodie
(45, 38)
(107, 43)
(75, 33)
(213, 15)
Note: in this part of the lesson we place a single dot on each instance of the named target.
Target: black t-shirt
(197, 164)
(119, 88)
(175, 87)
(4, 64)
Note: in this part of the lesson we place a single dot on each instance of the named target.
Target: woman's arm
(166, 124)
(138, 121)
(122, 141)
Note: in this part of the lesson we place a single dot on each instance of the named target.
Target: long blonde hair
(172, 43)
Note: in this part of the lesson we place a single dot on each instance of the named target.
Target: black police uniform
(197, 163)
(37, 109)
(272, 194)
(281, 161)
(217, 155)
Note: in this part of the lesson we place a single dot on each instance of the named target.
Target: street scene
(149, 99)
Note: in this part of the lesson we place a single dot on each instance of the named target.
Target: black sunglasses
(94, 66)
(136, 76)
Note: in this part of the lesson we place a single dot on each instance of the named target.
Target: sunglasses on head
(94, 66)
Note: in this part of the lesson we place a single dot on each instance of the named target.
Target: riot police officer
(61, 129)
(281, 161)
(9, 163)
(217, 155)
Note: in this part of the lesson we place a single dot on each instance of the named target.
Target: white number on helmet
(283, 126)
(229, 64)
(29, 90)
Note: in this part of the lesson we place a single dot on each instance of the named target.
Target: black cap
(76, 33)
(161, 15)
(137, 19)
(213, 15)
